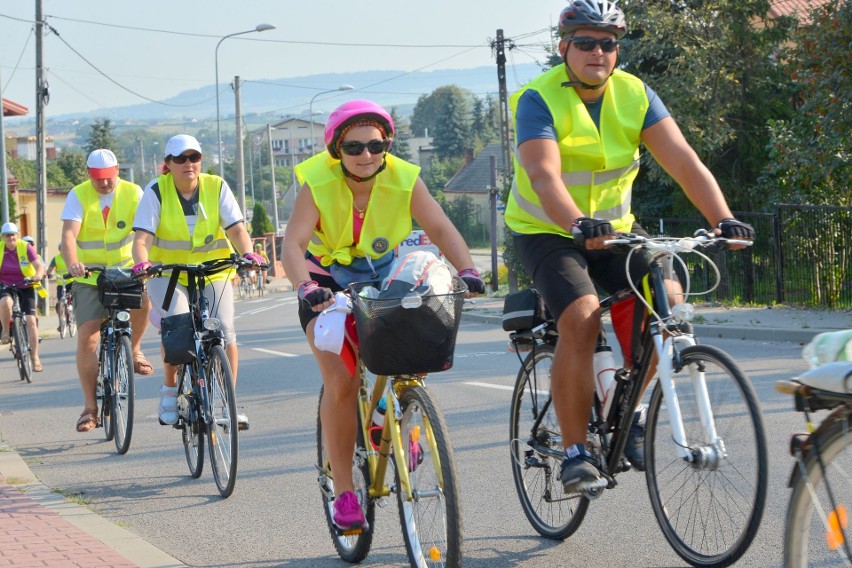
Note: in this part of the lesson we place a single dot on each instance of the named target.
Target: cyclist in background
(19, 264)
(354, 208)
(258, 250)
(58, 269)
(96, 232)
(578, 129)
(183, 218)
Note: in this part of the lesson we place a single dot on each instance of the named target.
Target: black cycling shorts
(26, 299)
(562, 271)
(306, 314)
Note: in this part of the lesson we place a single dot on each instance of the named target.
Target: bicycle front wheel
(222, 432)
(535, 444)
(192, 431)
(71, 320)
(63, 322)
(709, 506)
(123, 393)
(23, 358)
(816, 531)
(430, 517)
(355, 546)
(244, 288)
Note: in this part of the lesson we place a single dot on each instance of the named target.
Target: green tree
(73, 166)
(23, 170)
(401, 147)
(809, 154)
(446, 115)
(101, 135)
(440, 172)
(485, 125)
(260, 223)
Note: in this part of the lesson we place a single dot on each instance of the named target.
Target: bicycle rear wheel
(192, 430)
(222, 433)
(123, 394)
(431, 518)
(63, 321)
(244, 288)
(354, 547)
(709, 509)
(71, 320)
(536, 454)
(22, 351)
(820, 501)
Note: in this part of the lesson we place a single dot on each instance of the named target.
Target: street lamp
(311, 110)
(258, 28)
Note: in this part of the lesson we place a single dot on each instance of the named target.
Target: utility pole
(492, 198)
(499, 50)
(4, 180)
(272, 172)
(241, 176)
(42, 97)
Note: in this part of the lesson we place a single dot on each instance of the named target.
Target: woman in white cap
(184, 217)
(20, 264)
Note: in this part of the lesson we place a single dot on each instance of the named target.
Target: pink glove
(254, 257)
(141, 268)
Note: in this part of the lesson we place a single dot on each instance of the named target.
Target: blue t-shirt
(533, 120)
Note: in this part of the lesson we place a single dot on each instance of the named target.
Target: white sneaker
(167, 410)
(242, 422)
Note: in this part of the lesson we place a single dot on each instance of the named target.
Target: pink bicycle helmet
(592, 15)
(352, 111)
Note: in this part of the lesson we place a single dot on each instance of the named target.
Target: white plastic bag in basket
(829, 347)
(418, 272)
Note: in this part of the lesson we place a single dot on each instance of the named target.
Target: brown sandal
(88, 420)
(37, 368)
(141, 365)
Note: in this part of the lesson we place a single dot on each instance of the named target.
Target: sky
(102, 54)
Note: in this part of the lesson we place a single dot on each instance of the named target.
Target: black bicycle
(705, 446)
(206, 396)
(65, 307)
(19, 336)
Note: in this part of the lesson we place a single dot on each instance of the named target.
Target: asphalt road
(274, 517)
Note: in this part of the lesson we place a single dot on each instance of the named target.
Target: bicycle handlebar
(702, 239)
(22, 285)
(205, 268)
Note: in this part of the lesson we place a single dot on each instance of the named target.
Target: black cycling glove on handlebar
(733, 229)
(588, 228)
(313, 294)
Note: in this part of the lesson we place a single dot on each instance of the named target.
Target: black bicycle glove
(313, 294)
(733, 229)
(474, 282)
(588, 228)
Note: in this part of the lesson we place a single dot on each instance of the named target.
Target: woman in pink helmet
(355, 206)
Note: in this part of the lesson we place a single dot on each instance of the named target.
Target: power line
(20, 57)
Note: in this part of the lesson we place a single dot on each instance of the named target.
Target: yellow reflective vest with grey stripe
(27, 269)
(172, 242)
(598, 166)
(106, 243)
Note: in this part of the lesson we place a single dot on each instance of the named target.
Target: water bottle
(604, 365)
(378, 422)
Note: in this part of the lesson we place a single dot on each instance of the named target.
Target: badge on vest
(208, 239)
(381, 245)
(121, 224)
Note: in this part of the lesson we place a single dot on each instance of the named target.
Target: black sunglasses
(608, 45)
(194, 158)
(355, 148)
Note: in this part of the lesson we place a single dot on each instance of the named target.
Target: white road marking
(490, 386)
(272, 352)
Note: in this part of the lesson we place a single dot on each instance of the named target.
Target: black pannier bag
(118, 289)
(523, 310)
(178, 339)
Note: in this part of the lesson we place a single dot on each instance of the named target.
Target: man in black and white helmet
(578, 129)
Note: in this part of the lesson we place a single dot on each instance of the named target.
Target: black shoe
(634, 450)
(578, 473)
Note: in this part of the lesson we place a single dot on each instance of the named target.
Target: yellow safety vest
(388, 216)
(27, 269)
(172, 242)
(106, 243)
(61, 270)
(598, 166)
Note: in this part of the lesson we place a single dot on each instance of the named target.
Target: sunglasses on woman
(355, 148)
(608, 45)
(194, 158)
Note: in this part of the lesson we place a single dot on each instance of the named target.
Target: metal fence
(801, 256)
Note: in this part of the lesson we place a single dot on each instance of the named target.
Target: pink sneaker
(347, 512)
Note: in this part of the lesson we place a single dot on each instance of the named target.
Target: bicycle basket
(117, 289)
(178, 339)
(397, 340)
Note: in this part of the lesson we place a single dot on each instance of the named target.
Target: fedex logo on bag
(417, 240)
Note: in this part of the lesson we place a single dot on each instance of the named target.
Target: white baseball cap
(9, 229)
(179, 144)
(102, 163)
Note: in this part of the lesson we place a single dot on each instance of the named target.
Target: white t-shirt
(73, 210)
(148, 212)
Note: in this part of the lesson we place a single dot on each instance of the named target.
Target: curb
(134, 548)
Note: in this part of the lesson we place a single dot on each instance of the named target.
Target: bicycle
(816, 526)
(67, 319)
(246, 287)
(19, 343)
(206, 397)
(414, 437)
(118, 291)
(705, 446)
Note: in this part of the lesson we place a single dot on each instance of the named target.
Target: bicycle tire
(710, 510)
(244, 289)
(24, 359)
(431, 519)
(63, 321)
(72, 320)
(123, 394)
(536, 458)
(192, 429)
(222, 432)
(352, 548)
(106, 381)
(805, 542)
